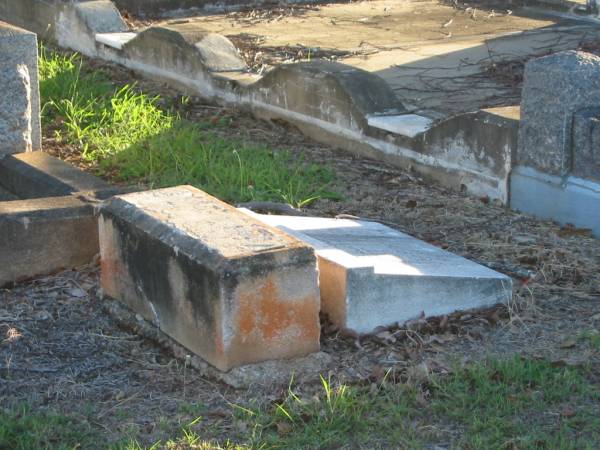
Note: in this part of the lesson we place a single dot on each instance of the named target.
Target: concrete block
(566, 200)
(42, 236)
(37, 174)
(371, 275)
(555, 88)
(20, 101)
(224, 285)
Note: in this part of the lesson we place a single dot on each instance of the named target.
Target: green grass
(494, 404)
(133, 140)
(517, 403)
(593, 337)
(26, 430)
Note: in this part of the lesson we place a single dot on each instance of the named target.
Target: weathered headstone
(558, 163)
(586, 143)
(19, 102)
(371, 275)
(226, 286)
(557, 88)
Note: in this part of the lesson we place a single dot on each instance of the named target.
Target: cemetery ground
(518, 376)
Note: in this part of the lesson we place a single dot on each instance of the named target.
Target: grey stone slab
(224, 285)
(37, 174)
(555, 88)
(42, 236)
(371, 275)
(20, 102)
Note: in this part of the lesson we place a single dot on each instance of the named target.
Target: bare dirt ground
(60, 349)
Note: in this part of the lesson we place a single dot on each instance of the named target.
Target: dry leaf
(568, 343)
(283, 428)
(567, 412)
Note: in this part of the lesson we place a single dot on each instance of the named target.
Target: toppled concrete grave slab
(558, 171)
(224, 285)
(20, 100)
(371, 275)
(48, 218)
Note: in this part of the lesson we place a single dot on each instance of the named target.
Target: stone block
(37, 174)
(42, 236)
(586, 144)
(20, 102)
(555, 88)
(371, 275)
(224, 285)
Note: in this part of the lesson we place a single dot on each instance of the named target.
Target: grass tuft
(493, 404)
(131, 139)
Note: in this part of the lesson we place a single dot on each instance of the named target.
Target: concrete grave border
(52, 223)
(328, 101)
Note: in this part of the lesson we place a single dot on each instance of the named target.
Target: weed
(494, 404)
(131, 139)
(593, 337)
(499, 403)
(25, 430)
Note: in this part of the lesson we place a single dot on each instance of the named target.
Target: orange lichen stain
(109, 270)
(263, 314)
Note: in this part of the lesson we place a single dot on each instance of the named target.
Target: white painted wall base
(570, 200)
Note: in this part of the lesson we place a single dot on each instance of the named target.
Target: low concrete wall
(45, 235)
(71, 24)
(49, 219)
(331, 102)
(37, 175)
